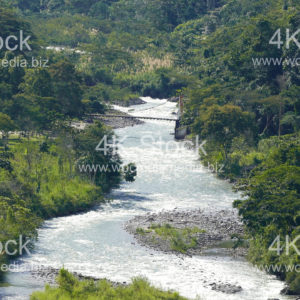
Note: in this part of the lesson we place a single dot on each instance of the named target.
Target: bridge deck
(130, 117)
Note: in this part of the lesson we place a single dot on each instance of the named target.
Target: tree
(67, 88)
(130, 172)
(252, 44)
(94, 149)
(81, 6)
(273, 198)
(37, 82)
(6, 125)
(222, 123)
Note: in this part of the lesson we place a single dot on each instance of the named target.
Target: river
(95, 243)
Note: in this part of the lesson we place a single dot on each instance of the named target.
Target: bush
(70, 288)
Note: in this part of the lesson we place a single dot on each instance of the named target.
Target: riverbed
(96, 244)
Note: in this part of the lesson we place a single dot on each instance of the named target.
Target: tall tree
(67, 88)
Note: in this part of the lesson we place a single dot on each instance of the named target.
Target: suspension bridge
(100, 116)
(180, 131)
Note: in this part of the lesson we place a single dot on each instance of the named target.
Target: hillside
(236, 62)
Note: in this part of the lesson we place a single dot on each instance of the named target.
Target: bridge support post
(180, 131)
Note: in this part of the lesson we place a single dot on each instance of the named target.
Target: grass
(181, 239)
(70, 288)
(61, 191)
(142, 231)
(37, 185)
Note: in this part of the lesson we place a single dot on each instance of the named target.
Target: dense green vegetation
(209, 51)
(181, 239)
(40, 178)
(249, 115)
(40, 150)
(71, 288)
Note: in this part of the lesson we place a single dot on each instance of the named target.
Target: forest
(233, 61)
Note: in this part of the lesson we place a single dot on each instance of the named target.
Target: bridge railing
(95, 116)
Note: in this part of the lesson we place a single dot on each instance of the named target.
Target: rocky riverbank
(208, 230)
(173, 99)
(120, 122)
(49, 275)
(114, 122)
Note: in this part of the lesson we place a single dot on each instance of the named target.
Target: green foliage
(182, 239)
(272, 205)
(273, 198)
(71, 288)
(249, 114)
(142, 231)
(222, 123)
(6, 123)
(16, 220)
(130, 171)
(39, 179)
(85, 144)
(66, 87)
(11, 24)
(106, 94)
(161, 82)
(53, 188)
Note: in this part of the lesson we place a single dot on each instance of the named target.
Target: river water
(169, 176)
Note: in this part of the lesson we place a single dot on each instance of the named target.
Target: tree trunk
(280, 114)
